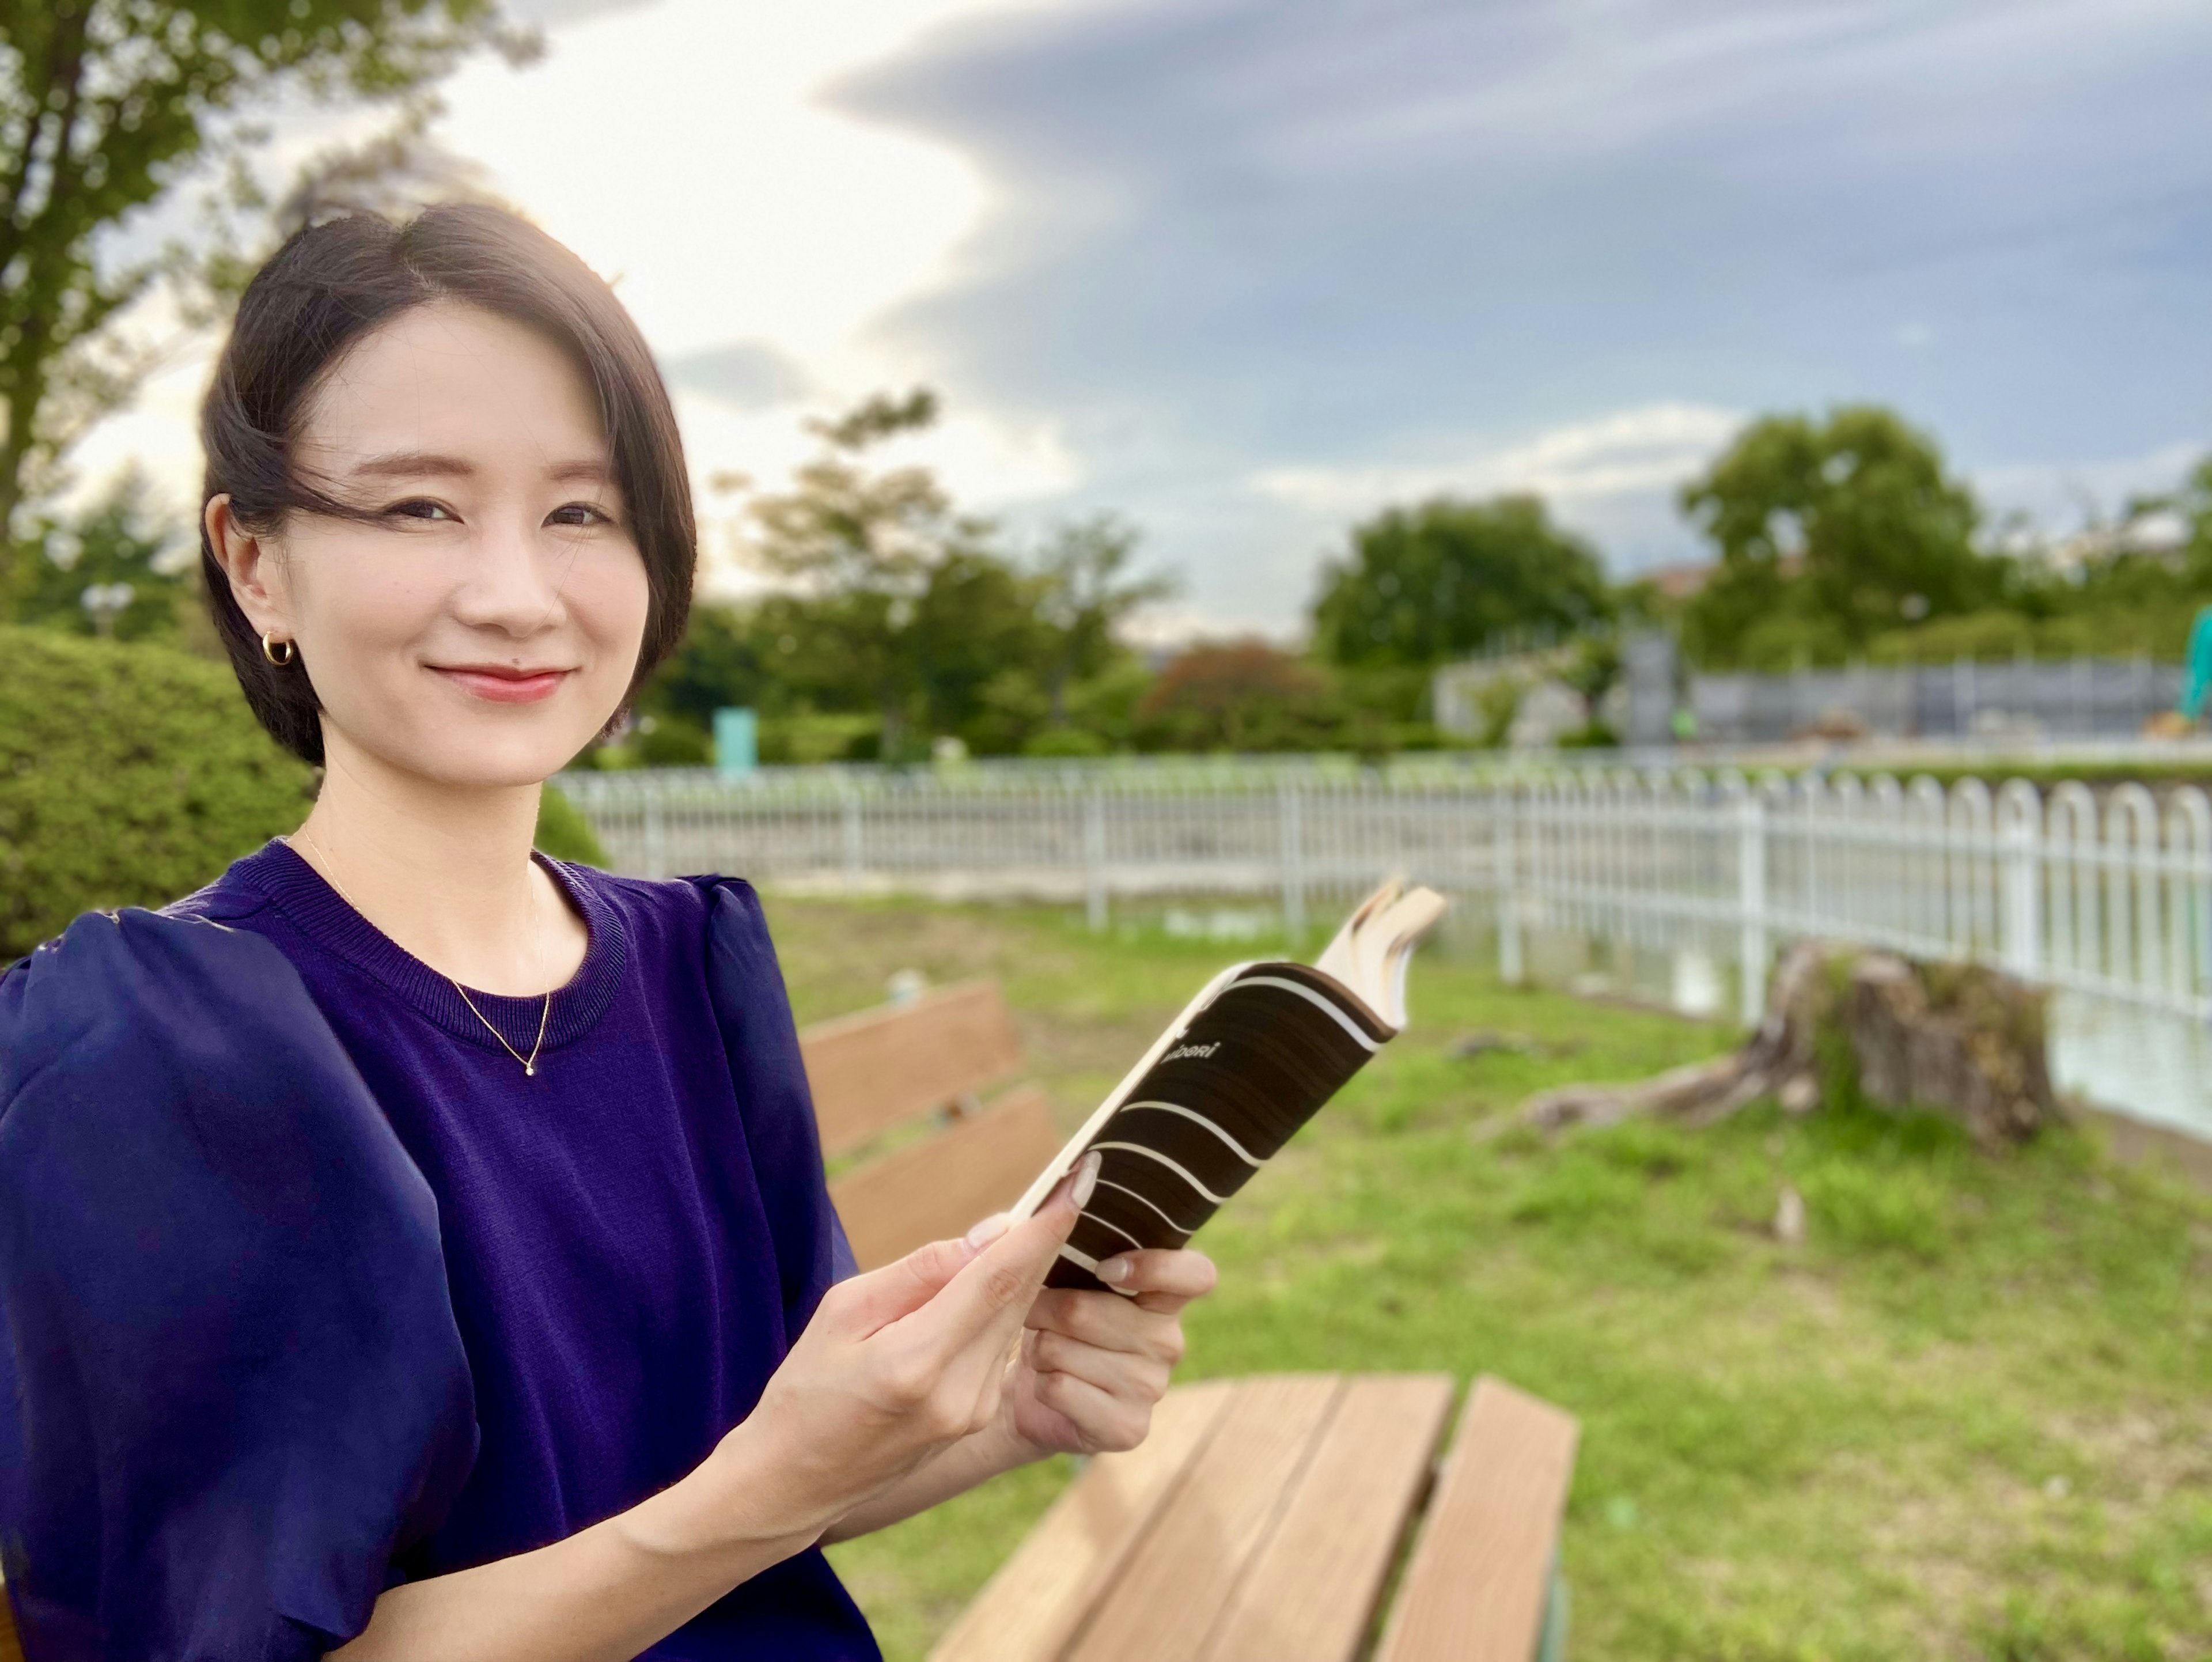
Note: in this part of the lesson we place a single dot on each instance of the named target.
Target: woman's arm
(895, 1367)
(1091, 1367)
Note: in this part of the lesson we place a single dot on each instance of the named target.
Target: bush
(564, 833)
(129, 776)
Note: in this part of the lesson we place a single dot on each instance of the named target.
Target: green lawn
(1967, 1417)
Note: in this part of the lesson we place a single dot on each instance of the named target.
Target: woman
(412, 1247)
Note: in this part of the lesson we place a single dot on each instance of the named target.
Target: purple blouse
(631, 1240)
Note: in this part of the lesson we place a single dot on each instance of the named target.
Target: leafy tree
(863, 544)
(107, 106)
(1086, 599)
(1830, 531)
(1427, 584)
(1238, 695)
(117, 551)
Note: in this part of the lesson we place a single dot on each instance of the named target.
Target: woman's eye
(578, 514)
(419, 507)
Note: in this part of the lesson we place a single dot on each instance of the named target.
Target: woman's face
(484, 622)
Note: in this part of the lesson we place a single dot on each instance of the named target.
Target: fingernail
(987, 1230)
(1114, 1271)
(1086, 1178)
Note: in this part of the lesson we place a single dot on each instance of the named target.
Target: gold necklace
(529, 1062)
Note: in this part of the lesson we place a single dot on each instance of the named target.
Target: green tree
(1831, 532)
(1087, 598)
(107, 106)
(118, 552)
(1427, 584)
(863, 543)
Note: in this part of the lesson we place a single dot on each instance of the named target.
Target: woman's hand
(897, 1366)
(1092, 1364)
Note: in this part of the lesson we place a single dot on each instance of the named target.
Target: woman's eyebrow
(413, 465)
(591, 470)
(431, 464)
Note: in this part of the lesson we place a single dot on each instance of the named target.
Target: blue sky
(1244, 270)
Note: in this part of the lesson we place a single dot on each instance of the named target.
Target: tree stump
(1963, 1040)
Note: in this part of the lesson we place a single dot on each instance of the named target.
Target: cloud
(748, 374)
(1655, 448)
(2067, 496)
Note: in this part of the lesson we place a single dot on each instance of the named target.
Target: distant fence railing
(2108, 894)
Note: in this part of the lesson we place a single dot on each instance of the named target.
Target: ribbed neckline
(325, 918)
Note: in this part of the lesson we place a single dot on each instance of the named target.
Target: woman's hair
(325, 289)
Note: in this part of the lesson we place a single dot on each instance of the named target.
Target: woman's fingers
(863, 1305)
(1161, 1279)
(1104, 1422)
(1136, 1374)
(1109, 1321)
(990, 1293)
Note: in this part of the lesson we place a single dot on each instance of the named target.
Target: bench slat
(1475, 1587)
(1312, 1592)
(1172, 1586)
(875, 1070)
(934, 1189)
(1027, 1611)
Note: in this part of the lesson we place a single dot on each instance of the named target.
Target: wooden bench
(1262, 1519)
(925, 1061)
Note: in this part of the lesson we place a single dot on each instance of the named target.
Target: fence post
(656, 838)
(1293, 861)
(1751, 904)
(1094, 897)
(2022, 925)
(854, 855)
(1504, 833)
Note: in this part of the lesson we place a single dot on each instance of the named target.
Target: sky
(1245, 270)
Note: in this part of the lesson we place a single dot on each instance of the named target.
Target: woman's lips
(505, 686)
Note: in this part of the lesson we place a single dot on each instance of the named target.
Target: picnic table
(1262, 1519)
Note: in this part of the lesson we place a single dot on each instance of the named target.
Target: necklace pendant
(530, 1070)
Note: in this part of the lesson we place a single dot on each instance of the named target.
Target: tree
(1086, 600)
(113, 570)
(1833, 530)
(1427, 584)
(863, 545)
(1238, 695)
(107, 106)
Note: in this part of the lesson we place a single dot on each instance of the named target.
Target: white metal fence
(2108, 894)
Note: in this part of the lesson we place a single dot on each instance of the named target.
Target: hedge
(131, 775)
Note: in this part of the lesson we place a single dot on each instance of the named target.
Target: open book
(1249, 1061)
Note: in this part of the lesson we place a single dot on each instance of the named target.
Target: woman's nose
(513, 583)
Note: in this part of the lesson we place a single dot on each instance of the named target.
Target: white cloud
(684, 149)
(2064, 497)
(1645, 451)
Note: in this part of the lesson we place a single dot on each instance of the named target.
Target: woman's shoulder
(676, 908)
(113, 970)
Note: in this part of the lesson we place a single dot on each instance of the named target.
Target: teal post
(737, 743)
(2199, 681)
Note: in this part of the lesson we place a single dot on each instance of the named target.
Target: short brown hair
(327, 288)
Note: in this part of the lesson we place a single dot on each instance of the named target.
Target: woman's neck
(445, 872)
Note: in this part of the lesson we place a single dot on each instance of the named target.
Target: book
(1249, 1061)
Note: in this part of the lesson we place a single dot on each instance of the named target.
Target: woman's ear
(255, 568)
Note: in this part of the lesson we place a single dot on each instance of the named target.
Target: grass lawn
(1968, 1417)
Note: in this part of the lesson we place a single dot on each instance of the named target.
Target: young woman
(411, 1247)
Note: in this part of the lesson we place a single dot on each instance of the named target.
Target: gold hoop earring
(269, 646)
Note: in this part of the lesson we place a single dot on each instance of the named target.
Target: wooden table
(1262, 1520)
